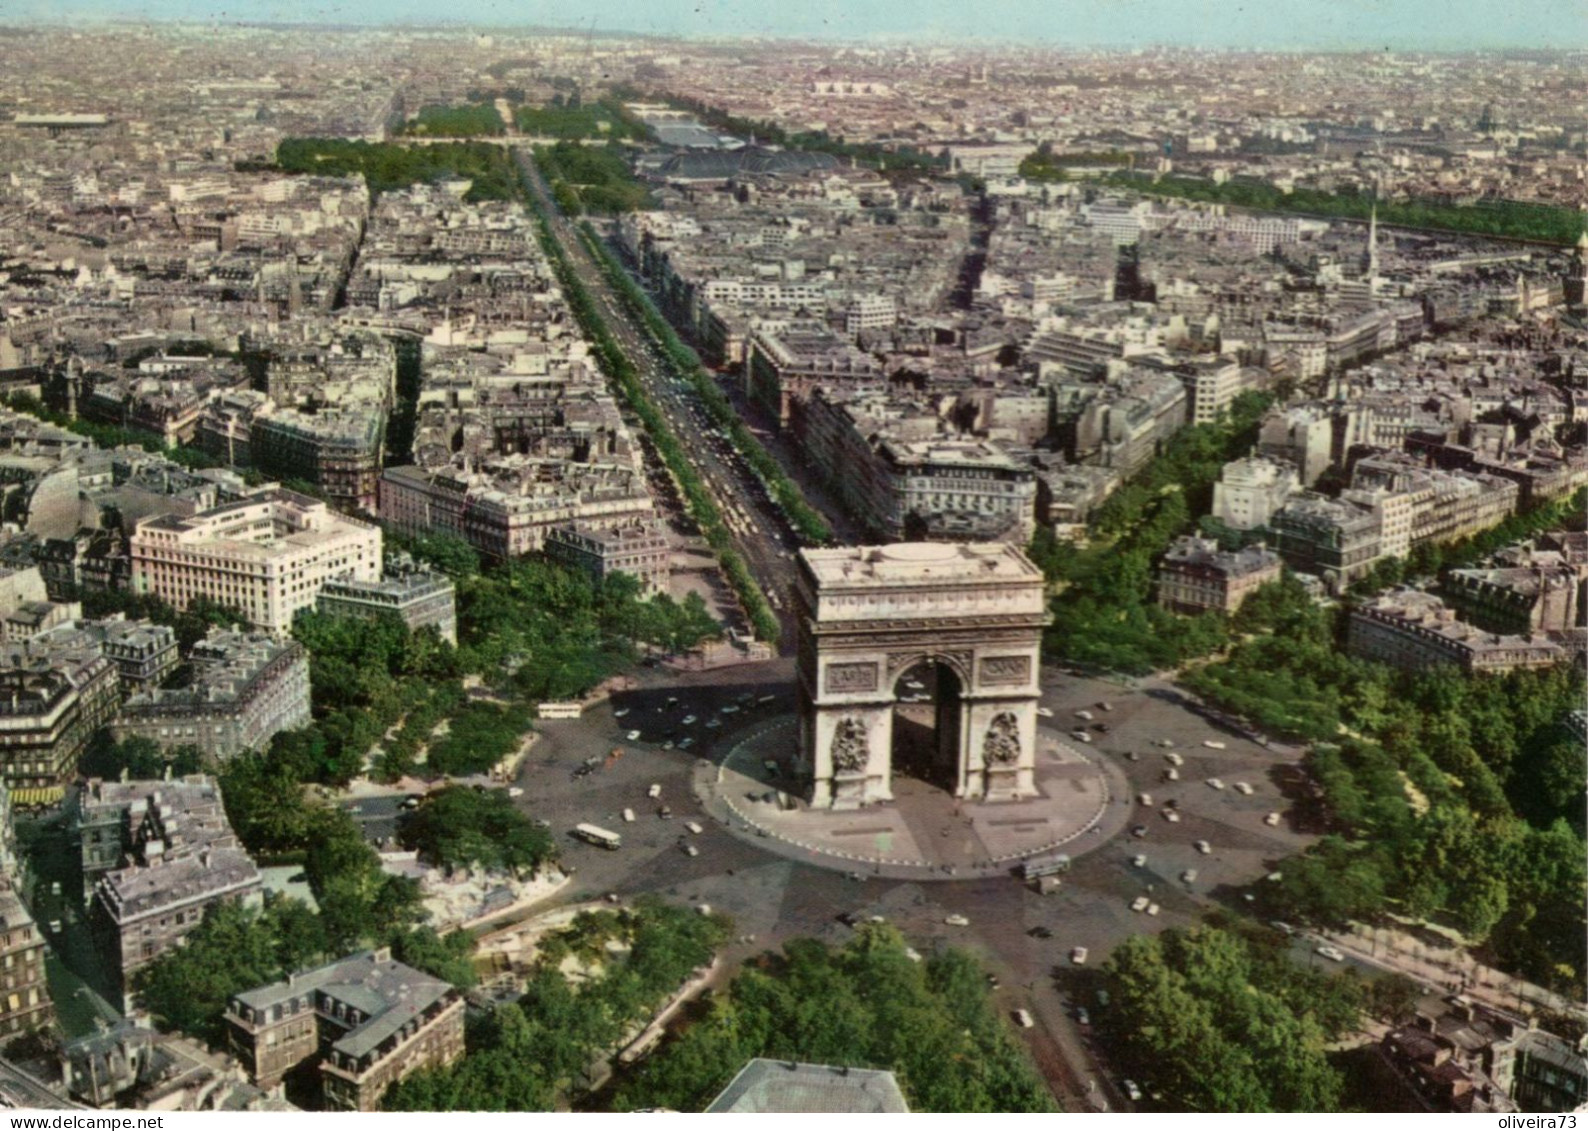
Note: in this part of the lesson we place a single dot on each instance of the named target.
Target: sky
(1401, 25)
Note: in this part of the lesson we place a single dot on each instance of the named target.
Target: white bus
(598, 836)
(1044, 866)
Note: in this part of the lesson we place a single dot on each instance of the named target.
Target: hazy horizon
(1322, 25)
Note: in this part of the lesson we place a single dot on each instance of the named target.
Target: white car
(1204, 848)
(1244, 788)
(1171, 774)
(690, 850)
(620, 712)
(712, 724)
(1152, 909)
(1023, 1018)
(1174, 759)
(1044, 712)
(694, 827)
(689, 720)
(730, 709)
(957, 921)
(1272, 820)
(1215, 744)
(655, 791)
(633, 736)
(628, 815)
(1144, 799)
(1172, 816)
(1139, 860)
(1216, 783)
(1189, 876)
(1078, 956)
(1087, 715)
(1080, 736)
(1131, 1089)
(1140, 903)
(1331, 953)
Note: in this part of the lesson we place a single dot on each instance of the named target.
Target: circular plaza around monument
(925, 833)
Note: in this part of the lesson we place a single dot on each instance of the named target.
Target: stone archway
(867, 614)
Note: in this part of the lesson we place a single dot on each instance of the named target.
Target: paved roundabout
(924, 834)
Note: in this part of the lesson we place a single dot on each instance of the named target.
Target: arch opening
(927, 724)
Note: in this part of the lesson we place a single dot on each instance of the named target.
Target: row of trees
(1512, 219)
(534, 1053)
(698, 498)
(685, 364)
(1042, 164)
(1104, 611)
(388, 166)
(867, 1005)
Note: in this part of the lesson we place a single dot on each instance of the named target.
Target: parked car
(633, 736)
(1131, 1090)
(1204, 848)
(655, 791)
(1023, 1018)
(1144, 799)
(1078, 956)
(1139, 903)
(1333, 954)
(1215, 783)
(957, 920)
(1215, 744)
(1244, 788)
(1271, 820)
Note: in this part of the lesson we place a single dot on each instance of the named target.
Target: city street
(759, 530)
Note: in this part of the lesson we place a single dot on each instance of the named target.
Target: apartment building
(1415, 630)
(52, 699)
(267, 556)
(420, 596)
(640, 550)
(367, 1020)
(1196, 576)
(245, 688)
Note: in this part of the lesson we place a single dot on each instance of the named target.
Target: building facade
(640, 550)
(265, 556)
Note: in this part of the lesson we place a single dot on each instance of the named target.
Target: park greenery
(139, 758)
(685, 364)
(386, 166)
(537, 1052)
(1446, 797)
(698, 498)
(1210, 1020)
(459, 827)
(592, 178)
(1104, 612)
(571, 119)
(470, 120)
(1509, 219)
(866, 1005)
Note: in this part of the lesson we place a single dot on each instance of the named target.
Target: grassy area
(472, 120)
(575, 120)
(388, 166)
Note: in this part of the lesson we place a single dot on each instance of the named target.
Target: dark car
(1040, 933)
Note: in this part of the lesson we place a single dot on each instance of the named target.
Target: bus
(1040, 866)
(599, 837)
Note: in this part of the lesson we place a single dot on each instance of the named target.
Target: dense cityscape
(567, 570)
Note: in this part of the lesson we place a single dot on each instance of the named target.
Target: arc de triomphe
(868, 614)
